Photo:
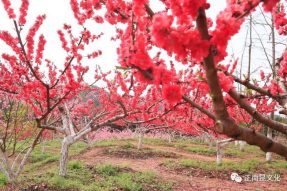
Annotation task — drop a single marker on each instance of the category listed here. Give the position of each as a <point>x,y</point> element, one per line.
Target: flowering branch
<point>224,123</point>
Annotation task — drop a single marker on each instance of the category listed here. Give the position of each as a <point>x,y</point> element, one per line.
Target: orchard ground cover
<point>116,164</point>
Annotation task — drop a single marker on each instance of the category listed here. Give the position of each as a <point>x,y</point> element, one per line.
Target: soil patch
<point>134,153</point>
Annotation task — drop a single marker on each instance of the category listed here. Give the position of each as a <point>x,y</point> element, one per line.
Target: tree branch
<point>224,123</point>
<point>259,117</point>
<point>200,108</point>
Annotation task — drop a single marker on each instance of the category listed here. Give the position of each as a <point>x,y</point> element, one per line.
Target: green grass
<point>78,177</point>
<point>276,166</point>
<point>101,177</point>
<point>128,145</point>
<point>199,141</point>
<point>131,181</point>
<point>229,151</point>
<point>245,166</point>
<point>64,183</point>
<point>75,165</point>
<point>201,151</point>
<point>106,170</point>
<point>157,141</point>
<point>54,147</point>
<point>39,156</point>
<point>112,142</point>
<point>177,143</point>
<point>3,180</point>
<point>232,150</point>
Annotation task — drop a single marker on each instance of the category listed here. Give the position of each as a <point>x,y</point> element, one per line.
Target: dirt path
<point>183,182</point>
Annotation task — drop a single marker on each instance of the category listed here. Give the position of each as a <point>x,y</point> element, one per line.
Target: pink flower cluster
<point>226,82</point>
<point>23,12</point>
<point>182,41</point>
<point>280,19</point>
<point>31,35</point>
<point>12,42</point>
<point>40,49</point>
<point>9,9</point>
<point>172,93</point>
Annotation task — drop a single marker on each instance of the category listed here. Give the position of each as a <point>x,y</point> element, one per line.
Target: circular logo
<point>235,177</point>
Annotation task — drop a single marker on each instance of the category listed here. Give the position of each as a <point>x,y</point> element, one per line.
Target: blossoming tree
<point>31,77</point>
<point>183,30</point>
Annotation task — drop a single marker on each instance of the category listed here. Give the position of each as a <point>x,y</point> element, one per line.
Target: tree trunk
<point>43,146</point>
<point>236,143</point>
<point>169,138</point>
<point>87,140</point>
<point>140,141</point>
<point>210,141</point>
<point>242,145</point>
<point>269,154</point>
<point>219,146</point>
<point>5,167</point>
<point>8,173</point>
<point>218,153</point>
<point>64,156</point>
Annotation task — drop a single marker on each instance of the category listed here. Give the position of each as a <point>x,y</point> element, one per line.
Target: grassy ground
<point>159,165</point>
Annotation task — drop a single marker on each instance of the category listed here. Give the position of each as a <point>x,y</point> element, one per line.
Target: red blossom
<point>23,12</point>
<point>234,66</point>
<point>9,9</point>
<point>139,7</point>
<point>142,60</point>
<point>122,83</point>
<point>172,93</point>
<point>10,41</point>
<point>268,5</point>
<point>262,75</point>
<point>31,34</point>
<point>167,37</point>
<point>86,36</point>
<point>280,19</point>
<point>228,23</point>
<point>75,8</point>
<point>40,49</point>
<point>275,89</point>
<point>99,19</point>
<point>87,10</point>
<point>63,41</point>
<point>226,82</point>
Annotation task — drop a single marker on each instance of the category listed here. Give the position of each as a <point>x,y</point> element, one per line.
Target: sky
<point>58,12</point>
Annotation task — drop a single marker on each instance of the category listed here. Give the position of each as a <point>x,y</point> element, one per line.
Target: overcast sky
<point>58,12</point>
